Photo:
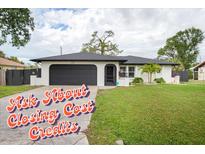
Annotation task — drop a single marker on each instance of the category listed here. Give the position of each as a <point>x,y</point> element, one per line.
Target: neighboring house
<point>95,69</point>
<point>199,71</point>
<point>9,64</point>
<point>6,64</point>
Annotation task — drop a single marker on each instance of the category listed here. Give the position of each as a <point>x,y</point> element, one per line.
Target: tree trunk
<point>150,77</point>
<point>102,50</point>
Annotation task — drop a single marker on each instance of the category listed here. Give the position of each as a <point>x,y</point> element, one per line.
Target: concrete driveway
<point>20,135</point>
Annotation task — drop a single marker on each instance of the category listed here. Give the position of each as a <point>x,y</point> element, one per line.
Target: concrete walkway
<point>20,135</point>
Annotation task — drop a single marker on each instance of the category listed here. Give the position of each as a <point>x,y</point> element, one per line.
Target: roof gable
<point>199,65</point>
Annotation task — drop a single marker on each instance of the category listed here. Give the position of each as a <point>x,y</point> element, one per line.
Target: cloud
<point>139,32</point>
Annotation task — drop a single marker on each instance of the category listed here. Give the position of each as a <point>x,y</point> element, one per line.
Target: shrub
<point>159,80</point>
<point>137,80</point>
<point>190,74</point>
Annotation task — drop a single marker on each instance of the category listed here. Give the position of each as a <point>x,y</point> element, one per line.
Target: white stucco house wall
<point>94,69</point>
<point>199,71</point>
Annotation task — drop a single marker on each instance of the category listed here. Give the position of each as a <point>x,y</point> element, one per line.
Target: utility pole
<point>61,50</point>
<point>199,58</point>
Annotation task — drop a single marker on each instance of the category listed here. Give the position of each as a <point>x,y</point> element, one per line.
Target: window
<point>131,72</point>
<point>122,72</point>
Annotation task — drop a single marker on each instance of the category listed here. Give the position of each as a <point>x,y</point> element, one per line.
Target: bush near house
<point>159,80</point>
<point>190,74</point>
<point>137,80</point>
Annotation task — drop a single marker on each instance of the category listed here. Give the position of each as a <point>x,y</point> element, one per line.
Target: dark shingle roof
<point>83,56</point>
<point>140,61</point>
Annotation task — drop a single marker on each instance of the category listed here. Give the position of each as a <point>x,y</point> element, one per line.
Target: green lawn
<point>149,114</point>
<point>9,90</point>
<point>196,82</point>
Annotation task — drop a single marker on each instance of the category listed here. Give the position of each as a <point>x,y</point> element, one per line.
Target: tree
<point>150,69</point>
<point>15,26</point>
<point>32,66</point>
<point>15,59</point>
<point>2,54</point>
<point>101,44</point>
<point>183,47</point>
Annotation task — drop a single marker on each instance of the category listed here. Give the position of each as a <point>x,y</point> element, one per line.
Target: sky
<point>138,32</point>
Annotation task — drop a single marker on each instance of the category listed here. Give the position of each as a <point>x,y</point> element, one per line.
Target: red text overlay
<point>56,95</point>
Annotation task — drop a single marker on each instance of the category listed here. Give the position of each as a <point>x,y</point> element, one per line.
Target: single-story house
<point>6,64</point>
<point>95,69</point>
<point>199,71</point>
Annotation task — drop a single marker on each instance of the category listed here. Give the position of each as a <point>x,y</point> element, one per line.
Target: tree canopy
<point>2,54</point>
<point>150,69</point>
<point>15,26</point>
<point>101,44</point>
<point>183,47</point>
<point>13,58</point>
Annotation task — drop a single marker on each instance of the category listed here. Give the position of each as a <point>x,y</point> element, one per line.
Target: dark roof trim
<point>82,56</point>
<point>173,64</point>
<point>35,60</point>
<point>134,60</point>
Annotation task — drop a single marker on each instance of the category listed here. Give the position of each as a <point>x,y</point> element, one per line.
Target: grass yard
<point>196,82</point>
<point>9,90</point>
<point>149,114</point>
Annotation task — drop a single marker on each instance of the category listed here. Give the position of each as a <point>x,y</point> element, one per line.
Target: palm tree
<point>150,69</point>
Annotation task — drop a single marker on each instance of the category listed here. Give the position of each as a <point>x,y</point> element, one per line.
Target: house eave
<point>35,60</point>
<point>147,63</point>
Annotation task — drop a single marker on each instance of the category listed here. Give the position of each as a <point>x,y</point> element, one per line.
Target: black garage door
<point>73,74</point>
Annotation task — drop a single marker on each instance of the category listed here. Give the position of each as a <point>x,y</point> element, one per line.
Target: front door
<point>110,75</point>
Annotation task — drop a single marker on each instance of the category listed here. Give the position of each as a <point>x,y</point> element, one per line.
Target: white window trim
<point>131,71</point>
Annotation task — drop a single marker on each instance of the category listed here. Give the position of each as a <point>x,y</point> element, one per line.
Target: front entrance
<point>110,75</point>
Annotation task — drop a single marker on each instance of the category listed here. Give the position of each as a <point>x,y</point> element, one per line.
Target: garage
<point>72,74</point>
